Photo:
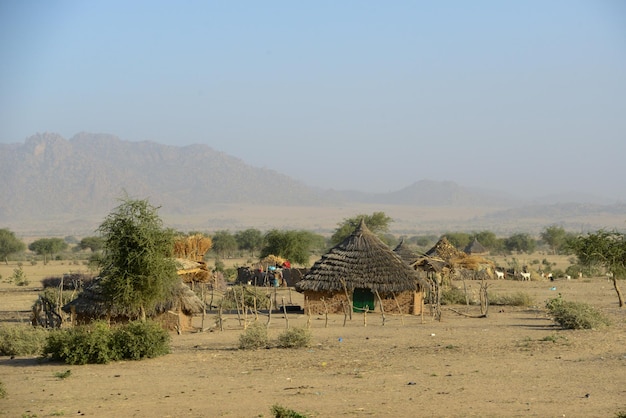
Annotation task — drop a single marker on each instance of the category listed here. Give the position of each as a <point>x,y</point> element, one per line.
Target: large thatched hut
<point>174,313</point>
<point>361,273</point>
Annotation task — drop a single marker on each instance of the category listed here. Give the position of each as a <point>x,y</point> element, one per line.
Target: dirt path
<point>515,363</point>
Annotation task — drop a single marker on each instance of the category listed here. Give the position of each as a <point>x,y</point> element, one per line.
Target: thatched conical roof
<point>475,247</point>
<point>362,260</point>
<point>406,253</point>
<point>444,250</point>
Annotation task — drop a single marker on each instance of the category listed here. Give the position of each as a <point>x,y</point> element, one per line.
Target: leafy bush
<point>254,337</point>
<point>81,345</point>
<point>282,412</point>
<point>21,340</point>
<point>515,299</point>
<point>19,277</point>
<point>137,340</point>
<point>575,315</point>
<point>294,338</point>
<point>98,343</point>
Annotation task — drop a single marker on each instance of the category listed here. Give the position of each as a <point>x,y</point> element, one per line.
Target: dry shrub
<point>294,338</point>
<point>515,299</point>
<point>575,315</point>
<point>279,411</point>
<point>254,337</point>
<point>22,340</point>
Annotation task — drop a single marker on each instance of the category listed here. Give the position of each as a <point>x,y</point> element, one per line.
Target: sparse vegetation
<point>63,375</point>
<point>453,296</point>
<point>514,299</point>
<point>279,411</point>
<point>575,315</point>
<point>3,391</point>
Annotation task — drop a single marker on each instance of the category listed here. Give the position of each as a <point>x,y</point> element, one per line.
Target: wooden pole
<point>307,306</point>
<point>399,308</point>
<point>382,308</point>
<point>325,312</point>
<point>285,312</point>
<point>269,316</point>
<point>345,289</point>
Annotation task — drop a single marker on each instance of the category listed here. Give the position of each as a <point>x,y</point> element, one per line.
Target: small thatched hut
<point>475,248</point>
<point>175,313</point>
<point>408,254</point>
<point>361,273</point>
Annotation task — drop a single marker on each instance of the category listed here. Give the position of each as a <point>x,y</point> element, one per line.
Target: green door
<point>362,298</point>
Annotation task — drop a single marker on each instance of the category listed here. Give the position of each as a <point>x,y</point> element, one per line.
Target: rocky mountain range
<point>49,180</point>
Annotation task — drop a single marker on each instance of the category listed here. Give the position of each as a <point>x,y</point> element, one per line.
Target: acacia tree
<point>521,242</point>
<point>224,243</point>
<point>48,246</point>
<point>136,266</point>
<point>605,249</point>
<point>555,236</point>
<point>9,244</point>
<point>250,240</point>
<point>295,246</point>
<point>93,243</point>
<point>377,222</point>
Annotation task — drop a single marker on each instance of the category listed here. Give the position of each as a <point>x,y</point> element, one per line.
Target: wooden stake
<point>285,312</point>
<point>382,308</point>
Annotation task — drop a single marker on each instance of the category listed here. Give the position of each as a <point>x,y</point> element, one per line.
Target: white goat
<point>525,276</point>
<point>499,274</point>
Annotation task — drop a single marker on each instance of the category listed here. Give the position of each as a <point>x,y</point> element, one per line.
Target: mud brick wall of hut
<point>319,302</point>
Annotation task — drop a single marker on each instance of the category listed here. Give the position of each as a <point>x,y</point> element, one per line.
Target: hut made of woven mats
<point>174,313</point>
<point>360,273</point>
<point>455,264</point>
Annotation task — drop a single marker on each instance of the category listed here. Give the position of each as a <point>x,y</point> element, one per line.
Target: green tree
<point>92,243</point>
<point>377,222</point>
<point>136,266</point>
<point>488,239</point>
<point>460,240</point>
<point>249,240</point>
<point>520,242</point>
<point>295,246</point>
<point>555,236</point>
<point>224,243</point>
<point>48,247</point>
<point>9,244</point>
<point>605,249</point>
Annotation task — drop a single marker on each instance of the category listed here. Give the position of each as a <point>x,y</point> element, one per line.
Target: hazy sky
<point>522,96</point>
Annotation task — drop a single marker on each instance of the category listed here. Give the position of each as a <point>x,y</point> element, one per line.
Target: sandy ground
<point>514,363</point>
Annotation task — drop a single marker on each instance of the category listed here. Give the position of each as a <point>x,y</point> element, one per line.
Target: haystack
<point>192,272</point>
<point>361,272</point>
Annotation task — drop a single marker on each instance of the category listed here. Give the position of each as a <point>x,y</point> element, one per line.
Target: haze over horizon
<point>524,97</point>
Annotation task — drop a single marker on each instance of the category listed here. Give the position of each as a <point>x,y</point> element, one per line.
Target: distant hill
<point>73,184</point>
<point>49,176</point>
